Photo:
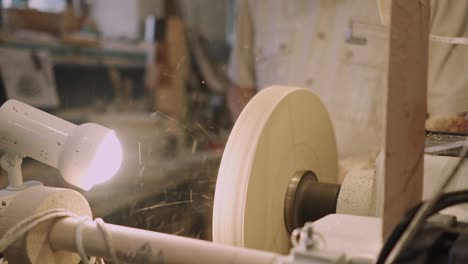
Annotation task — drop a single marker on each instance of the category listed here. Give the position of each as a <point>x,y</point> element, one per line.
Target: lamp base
<point>34,247</point>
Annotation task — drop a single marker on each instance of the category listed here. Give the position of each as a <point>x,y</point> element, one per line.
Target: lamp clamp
<point>11,162</point>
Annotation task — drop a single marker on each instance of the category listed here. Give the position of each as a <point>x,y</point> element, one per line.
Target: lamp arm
<point>11,162</point>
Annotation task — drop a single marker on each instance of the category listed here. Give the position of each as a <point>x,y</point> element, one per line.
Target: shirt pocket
<point>273,51</point>
<point>365,45</point>
<point>359,102</point>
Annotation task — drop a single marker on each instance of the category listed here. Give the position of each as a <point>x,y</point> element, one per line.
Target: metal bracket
<point>12,164</point>
<point>307,249</point>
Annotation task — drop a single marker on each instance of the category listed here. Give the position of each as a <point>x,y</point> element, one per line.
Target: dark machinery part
<point>308,200</point>
<point>443,138</point>
<point>438,241</point>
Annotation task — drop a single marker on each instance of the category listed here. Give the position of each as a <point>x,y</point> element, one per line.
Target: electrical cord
<point>79,242</point>
<point>446,200</point>
<point>24,226</point>
<point>107,237</point>
<point>422,212</point>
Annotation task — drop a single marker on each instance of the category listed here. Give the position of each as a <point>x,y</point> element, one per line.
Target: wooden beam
<point>406,109</point>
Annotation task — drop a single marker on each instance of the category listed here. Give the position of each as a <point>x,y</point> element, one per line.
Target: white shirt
<point>307,43</point>
<point>337,48</point>
<point>448,63</point>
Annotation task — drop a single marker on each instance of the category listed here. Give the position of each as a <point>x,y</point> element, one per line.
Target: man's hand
<point>237,99</point>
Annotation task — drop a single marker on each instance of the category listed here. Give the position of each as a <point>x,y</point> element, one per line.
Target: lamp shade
<point>85,155</point>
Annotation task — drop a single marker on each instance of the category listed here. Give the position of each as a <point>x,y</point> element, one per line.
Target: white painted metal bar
<point>140,246</point>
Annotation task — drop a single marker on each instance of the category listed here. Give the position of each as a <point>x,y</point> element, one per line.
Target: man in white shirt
<point>336,48</point>
<point>339,49</point>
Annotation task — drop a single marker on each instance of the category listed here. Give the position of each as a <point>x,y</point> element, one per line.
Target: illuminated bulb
<point>85,155</point>
<point>92,154</point>
<point>106,162</point>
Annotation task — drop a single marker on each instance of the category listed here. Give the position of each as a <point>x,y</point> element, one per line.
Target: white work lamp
<point>85,155</point>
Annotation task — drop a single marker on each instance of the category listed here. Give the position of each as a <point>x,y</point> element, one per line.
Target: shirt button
<point>321,35</point>
<point>309,82</point>
<point>284,47</point>
<point>259,52</point>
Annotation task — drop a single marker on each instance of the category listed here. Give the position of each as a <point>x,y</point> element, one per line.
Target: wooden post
<point>172,70</point>
<point>406,109</point>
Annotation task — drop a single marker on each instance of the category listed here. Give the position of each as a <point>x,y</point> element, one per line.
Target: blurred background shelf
<point>103,67</point>
<point>62,54</point>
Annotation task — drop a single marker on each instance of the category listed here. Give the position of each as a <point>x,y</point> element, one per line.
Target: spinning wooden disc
<point>283,131</point>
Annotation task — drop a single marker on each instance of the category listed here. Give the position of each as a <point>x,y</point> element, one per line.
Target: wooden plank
<point>167,75</point>
<point>406,109</point>
<point>170,93</point>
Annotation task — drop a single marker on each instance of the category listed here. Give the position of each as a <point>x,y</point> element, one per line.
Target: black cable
<point>396,234</point>
<point>447,200</point>
<point>424,212</point>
